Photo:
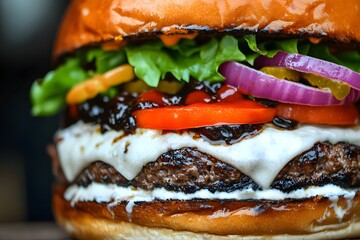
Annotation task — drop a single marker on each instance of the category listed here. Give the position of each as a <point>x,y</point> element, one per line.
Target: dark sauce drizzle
<point>228,134</point>
<point>116,113</point>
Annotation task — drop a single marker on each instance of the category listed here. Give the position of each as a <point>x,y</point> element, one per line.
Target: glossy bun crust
<point>90,22</point>
<point>306,219</point>
<point>93,21</point>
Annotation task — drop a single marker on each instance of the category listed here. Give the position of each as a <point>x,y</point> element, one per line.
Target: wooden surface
<point>27,231</point>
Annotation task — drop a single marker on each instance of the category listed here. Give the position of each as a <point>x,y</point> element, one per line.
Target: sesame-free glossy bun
<point>314,218</point>
<point>93,21</point>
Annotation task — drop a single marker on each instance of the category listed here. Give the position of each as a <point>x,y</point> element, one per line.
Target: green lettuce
<point>350,59</point>
<point>104,60</point>
<point>48,94</point>
<point>152,61</point>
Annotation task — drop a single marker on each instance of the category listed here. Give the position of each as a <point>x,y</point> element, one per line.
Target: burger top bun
<point>92,21</point>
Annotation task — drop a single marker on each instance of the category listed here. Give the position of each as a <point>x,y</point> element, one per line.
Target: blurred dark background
<point>27,32</point>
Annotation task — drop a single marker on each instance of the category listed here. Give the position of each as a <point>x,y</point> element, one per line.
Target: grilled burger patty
<point>189,170</point>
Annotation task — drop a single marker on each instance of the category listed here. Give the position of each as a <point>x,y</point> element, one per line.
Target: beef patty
<point>189,170</point>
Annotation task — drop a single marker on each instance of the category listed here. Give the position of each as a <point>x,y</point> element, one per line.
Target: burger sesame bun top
<point>91,21</point>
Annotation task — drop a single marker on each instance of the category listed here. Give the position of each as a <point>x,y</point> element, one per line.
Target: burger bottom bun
<point>316,218</point>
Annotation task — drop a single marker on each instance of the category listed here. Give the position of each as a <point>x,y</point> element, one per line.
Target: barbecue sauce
<point>116,113</point>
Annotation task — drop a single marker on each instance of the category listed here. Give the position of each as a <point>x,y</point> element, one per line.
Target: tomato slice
<point>228,93</point>
<point>204,114</point>
<point>152,96</point>
<point>196,97</point>
<point>331,115</point>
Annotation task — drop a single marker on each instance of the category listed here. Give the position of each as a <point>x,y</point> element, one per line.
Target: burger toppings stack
<point>178,128</point>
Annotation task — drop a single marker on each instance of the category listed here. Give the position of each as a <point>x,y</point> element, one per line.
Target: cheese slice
<point>260,157</point>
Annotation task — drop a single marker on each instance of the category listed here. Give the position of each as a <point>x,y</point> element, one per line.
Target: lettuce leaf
<point>350,59</point>
<point>48,94</point>
<point>105,60</point>
<point>152,62</point>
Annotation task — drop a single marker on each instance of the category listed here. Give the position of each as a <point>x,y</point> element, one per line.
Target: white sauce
<point>100,193</point>
<point>260,157</point>
<point>339,211</point>
<point>112,193</point>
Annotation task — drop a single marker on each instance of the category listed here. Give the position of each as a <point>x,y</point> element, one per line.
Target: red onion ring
<point>258,84</point>
<point>308,64</point>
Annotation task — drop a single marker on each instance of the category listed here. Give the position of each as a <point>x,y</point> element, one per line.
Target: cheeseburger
<point>206,119</point>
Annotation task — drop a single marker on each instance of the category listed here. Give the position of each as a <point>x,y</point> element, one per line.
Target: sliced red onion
<point>308,64</point>
<point>258,84</point>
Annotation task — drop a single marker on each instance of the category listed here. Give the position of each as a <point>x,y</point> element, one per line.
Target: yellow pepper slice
<point>99,84</point>
<point>139,86</point>
<point>338,90</point>
<point>282,73</point>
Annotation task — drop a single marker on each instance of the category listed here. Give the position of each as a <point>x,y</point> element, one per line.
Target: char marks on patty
<point>324,163</point>
<point>188,170</point>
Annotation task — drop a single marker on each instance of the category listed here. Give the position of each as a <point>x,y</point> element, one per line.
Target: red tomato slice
<point>73,111</point>
<point>204,114</point>
<point>152,96</point>
<point>197,96</point>
<point>331,115</point>
<point>228,93</point>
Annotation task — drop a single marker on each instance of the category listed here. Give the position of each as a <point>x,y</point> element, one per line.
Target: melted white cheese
<point>260,157</point>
